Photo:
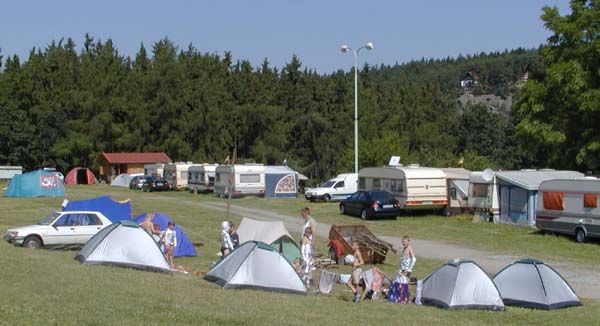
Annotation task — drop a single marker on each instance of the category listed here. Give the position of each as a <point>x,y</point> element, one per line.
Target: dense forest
<point>65,104</point>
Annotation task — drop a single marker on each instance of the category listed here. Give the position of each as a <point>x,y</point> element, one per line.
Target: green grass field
<point>50,287</point>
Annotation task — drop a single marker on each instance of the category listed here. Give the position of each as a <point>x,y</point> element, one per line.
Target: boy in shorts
<point>354,282</point>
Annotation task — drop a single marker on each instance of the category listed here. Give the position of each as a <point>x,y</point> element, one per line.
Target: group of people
<point>166,239</point>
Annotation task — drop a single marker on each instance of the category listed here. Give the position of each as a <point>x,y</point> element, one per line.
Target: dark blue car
<point>371,204</point>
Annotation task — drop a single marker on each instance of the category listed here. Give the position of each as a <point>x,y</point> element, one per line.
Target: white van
<point>177,174</point>
<point>201,178</point>
<point>415,187</point>
<point>569,206</point>
<point>338,188</point>
<point>240,179</point>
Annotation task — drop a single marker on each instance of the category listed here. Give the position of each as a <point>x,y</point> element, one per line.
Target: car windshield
<point>381,196</point>
<point>328,184</point>
<point>48,219</point>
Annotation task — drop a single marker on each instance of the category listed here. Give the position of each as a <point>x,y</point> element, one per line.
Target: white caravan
<point>240,180</point>
<point>201,178</point>
<point>415,187</point>
<point>338,188</point>
<point>483,195</point>
<point>154,170</point>
<point>177,174</point>
<point>457,187</point>
<point>569,206</point>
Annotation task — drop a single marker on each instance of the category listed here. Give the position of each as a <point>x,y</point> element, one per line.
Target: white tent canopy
<point>532,284</point>
<point>124,244</point>
<point>122,180</point>
<point>461,284</point>
<point>256,265</point>
<point>264,231</point>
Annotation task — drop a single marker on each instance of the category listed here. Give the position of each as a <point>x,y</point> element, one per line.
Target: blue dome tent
<point>184,245</point>
<point>115,211</point>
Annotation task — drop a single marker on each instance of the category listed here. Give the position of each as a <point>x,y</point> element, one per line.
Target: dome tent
<point>124,244</point>
<point>530,283</point>
<point>184,246</point>
<point>256,265</point>
<point>114,210</point>
<point>38,183</point>
<point>461,284</point>
<point>80,176</point>
<point>270,232</point>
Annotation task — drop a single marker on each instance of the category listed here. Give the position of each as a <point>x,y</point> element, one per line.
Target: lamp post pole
<point>345,48</point>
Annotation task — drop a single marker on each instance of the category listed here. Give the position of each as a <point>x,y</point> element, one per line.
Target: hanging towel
<point>326,281</point>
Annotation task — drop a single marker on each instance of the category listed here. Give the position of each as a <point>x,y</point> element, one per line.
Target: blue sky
<point>313,30</point>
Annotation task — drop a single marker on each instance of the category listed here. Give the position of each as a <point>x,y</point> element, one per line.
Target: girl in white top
<point>226,243</point>
<point>170,241</point>
<point>309,234</point>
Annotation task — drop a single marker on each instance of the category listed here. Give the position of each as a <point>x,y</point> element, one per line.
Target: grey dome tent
<point>122,180</point>
<point>461,284</point>
<point>530,283</point>
<point>124,244</point>
<point>256,265</point>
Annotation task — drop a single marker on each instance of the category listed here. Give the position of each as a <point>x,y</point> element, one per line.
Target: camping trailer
<point>457,188</point>
<point>483,195</point>
<point>201,178</point>
<point>518,193</point>
<point>241,179</point>
<point>415,187</point>
<point>177,174</point>
<point>7,172</point>
<point>569,207</point>
<point>154,170</point>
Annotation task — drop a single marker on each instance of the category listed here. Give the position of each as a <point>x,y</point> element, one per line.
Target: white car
<point>338,188</point>
<point>59,228</point>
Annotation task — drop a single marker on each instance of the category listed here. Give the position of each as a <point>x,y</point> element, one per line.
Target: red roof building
<point>113,164</point>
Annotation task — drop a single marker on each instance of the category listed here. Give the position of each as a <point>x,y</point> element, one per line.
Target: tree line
<point>63,106</point>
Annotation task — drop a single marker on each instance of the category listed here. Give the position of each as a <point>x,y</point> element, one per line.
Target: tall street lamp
<point>345,49</point>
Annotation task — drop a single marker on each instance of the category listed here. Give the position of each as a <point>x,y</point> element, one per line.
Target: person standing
<point>357,263</point>
<point>309,222</point>
<point>227,245</point>
<point>170,241</point>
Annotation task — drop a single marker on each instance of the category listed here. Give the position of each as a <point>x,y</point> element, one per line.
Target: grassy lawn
<point>50,287</point>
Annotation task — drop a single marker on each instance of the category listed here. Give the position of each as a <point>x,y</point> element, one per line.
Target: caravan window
<point>453,193</point>
<point>554,201</point>
<point>184,175</point>
<point>590,201</point>
<point>249,178</point>
<point>362,183</point>
<point>480,189</point>
<point>396,185</point>
<point>376,184</point>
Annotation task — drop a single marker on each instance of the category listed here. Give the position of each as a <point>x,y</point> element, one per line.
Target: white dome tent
<point>124,244</point>
<point>461,284</point>
<point>256,265</point>
<point>530,283</point>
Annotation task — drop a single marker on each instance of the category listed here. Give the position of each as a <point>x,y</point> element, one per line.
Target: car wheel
<point>363,214</point>
<point>32,242</point>
<point>580,235</point>
<point>326,198</point>
<point>342,209</point>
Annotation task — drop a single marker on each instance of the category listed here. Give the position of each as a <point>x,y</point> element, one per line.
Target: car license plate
<point>159,184</point>
<point>388,206</point>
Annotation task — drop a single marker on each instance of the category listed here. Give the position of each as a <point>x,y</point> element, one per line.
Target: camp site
<point>300,163</point>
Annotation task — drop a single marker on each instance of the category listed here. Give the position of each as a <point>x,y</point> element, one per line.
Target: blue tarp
<point>35,184</point>
<point>184,245</point>
<point>114,210</point>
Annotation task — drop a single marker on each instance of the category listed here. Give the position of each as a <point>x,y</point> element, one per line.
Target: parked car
<point>59,228</point>
<point>156,184</point>
<point>137,182</point>
<point>338,188</point>
<point>369,204</point>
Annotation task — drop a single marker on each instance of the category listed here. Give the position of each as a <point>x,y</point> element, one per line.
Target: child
<point>235,238</point>
<point>354,281</point>
<point>170,240</point>
<point>407,262</point>
<point>226,243</point>
<point>298,266</point>
<point>307,254</point>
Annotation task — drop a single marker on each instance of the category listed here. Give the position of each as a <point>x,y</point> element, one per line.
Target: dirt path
<point>584,279</point>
